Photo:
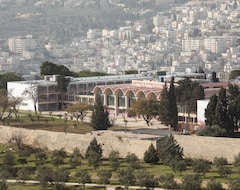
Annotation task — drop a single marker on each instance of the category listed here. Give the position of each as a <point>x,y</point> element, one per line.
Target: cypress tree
<point>173,106</point>
<point>164,106</point>
<point>100,116</point>
<point>222,110</point>
<point>210,111</point>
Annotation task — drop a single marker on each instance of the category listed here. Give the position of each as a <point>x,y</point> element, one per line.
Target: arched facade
<point>123,96</point>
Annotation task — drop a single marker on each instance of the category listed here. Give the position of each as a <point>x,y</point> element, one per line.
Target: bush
<point>168,181</point>
<point>213,185</point>
<point>133,160</point>
<point>3,185</point>
<point>114,160</point>
<point>213,131</point>
<point>191,182</point>
<point>151,156</point>
<point>201,166</point>
<point>234,184</point>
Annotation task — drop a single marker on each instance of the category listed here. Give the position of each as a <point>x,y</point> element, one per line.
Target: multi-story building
<point>18,44</point>
<point>79,89</point>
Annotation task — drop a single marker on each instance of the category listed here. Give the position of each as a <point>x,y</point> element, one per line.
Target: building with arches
<point>122,96</point>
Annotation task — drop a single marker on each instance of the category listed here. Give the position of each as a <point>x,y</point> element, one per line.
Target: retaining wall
<point>193,146</point>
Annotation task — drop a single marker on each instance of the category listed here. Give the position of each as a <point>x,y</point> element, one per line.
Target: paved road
<point>78,184</point>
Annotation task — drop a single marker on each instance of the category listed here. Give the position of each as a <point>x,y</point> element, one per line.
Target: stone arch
<point>140,94</point>
<point>120,98</point>
<point>110,97</point>
<point>131,97</point>
<point>152,96</point>
<point>99,92</point>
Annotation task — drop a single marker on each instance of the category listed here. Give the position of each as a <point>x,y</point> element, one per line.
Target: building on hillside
<point>79,89</point>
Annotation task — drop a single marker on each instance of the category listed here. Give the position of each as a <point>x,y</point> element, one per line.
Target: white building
<point>79,89</point>
<point>18,44</point>
<point>201,106</point>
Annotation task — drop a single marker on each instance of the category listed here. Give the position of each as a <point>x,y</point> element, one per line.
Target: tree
<point>151,155</point>
<point>62,84</point>
<point>100,116</point>
<point>178,166</point>
<point>9,159</point>
<point>233,91</point>
<point>168,181</point>
<point>221,112</point>
<point>104,176</point>
<point>132,160</point>
<point>147,180</point>
<point>23,174</point>
<point>94,153</point>
<point>49,68</point>
<point>220,161</point>
<point>84,177</point>
<point>75,158</point>
<point>164,110</point>
<point>61,175</point>
<point>7,105</point>
<point>169,150</point>
<point>114,160</point>
<point>18,138</point>
<point>187,94</point>
<point>210,111</point>
<point>213,131</point>
<point>3,185</point>
<point>190,182</point>
<point>201,166</point>
<point>233,74</point>
<point>213,185</point>
<point>126,177</point>
<point>40,157</point>
<point>78,110</point>
<point>44,175</point>
<point>60,186</point>
<point>234,112</point>
<point>8,77</point>
<point>234,184</point>
<point>173,106</point>
<point>236,161</point>
<point>32,93</point>
<point>58,156</point>
<point>148,109</point>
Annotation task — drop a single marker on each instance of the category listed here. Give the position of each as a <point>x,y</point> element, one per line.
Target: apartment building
<point>18,44</point>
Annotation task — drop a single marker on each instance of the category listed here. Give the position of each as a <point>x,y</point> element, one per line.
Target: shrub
<point>168,181</point>
<point>213,131</point>
<point>213,185</point>
<point>190,182</point>
<point>151,156</point>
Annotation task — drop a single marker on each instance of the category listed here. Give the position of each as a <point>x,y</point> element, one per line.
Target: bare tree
<point>32,93</point>
<point>18,138</point>
<point>8,105</point>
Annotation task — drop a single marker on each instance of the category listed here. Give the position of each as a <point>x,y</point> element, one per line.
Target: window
<point>121,99</point>
<point>110,98</point>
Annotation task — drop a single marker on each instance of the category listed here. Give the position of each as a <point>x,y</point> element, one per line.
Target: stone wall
<point>209,147</point>
<point>193,146</point>
<point>120,141</point>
